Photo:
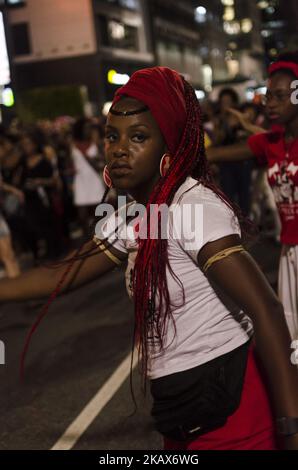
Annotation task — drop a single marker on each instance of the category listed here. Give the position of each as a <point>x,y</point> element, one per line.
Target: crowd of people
<point>51,182</point>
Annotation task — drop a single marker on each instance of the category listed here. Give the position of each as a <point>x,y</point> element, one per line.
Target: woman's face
<point>134,146</point>
<point>279,107</point>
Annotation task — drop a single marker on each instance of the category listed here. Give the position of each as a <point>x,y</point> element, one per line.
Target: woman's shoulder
<point>193,191</point>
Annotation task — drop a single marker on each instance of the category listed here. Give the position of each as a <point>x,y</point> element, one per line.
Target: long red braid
<point>152,259</point>
<point>151,263</point>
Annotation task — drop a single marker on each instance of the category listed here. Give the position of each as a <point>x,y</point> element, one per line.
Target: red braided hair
<point>151,263</point>
<point>152,259</point>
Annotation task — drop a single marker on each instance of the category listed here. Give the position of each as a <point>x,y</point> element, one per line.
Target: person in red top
<point>278,150</point>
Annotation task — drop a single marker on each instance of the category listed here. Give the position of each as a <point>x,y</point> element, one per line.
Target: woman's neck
<point>142,194</point>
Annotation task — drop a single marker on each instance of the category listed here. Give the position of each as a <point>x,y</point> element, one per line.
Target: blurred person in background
<point>234,177</point>
<point>38,182</point>
<point>7,254</point>
<point>11,170</point>
<point>63,148</point>
<point>88,186</point>
<point>277,150</point>
<point>263,211</point>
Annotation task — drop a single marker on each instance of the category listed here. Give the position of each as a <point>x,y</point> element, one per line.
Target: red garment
<point>281,158</point>
<point>251,427</point>
<point>284,65</point>
<point>162,90</point>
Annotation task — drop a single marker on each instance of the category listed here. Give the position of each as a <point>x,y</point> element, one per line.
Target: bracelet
<point>221,255</point>
<point>107,252</point>
<point>287,426</point>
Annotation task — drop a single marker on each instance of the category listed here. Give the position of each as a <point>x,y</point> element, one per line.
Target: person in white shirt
<point>88,186</point>
<point>198,296</point>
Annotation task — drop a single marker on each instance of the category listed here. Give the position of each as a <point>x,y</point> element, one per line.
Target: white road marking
<point>95,406</point>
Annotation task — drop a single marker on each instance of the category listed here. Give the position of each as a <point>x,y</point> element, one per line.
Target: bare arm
<point>239,277</point>
<point>229,153</point>
<point>40,282</point>
<point>245,123</point>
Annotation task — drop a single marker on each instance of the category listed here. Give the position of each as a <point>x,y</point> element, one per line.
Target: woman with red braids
<point>201,303</point>
<point>278,150</point>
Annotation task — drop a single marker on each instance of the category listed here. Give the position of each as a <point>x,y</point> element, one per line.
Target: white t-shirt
<point>88,185</point>
<point>207,326</point>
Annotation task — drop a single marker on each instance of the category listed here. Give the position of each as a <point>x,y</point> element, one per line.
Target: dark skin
<point>280,110</point>
<point>279,106</point>
<point>137,141</point>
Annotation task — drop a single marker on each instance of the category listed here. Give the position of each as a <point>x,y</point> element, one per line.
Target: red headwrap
<point>282,65</point>
<point>162,90</point>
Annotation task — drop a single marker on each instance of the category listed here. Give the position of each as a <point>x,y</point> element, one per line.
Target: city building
<point>93,46</point>
<point>90,44</point>
<point>279,19</point>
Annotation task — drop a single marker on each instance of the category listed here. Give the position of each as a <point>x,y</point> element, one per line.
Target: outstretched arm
<point>41,282</point>
<point>245,123</point>
<point>240,278</point>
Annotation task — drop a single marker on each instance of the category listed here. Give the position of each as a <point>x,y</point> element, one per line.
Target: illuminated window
<point>117,30</point>
<point>246,25</point>
<point>207,77</point>
<point>229,14</point>
<point>227,3</point>
<point>232,27</point>
<point>233,67</point>
<point>265,33</point>
<point>117,34</point>
<point>263,4</point>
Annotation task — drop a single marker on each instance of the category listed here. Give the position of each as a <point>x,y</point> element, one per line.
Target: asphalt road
<point>75,350</point>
